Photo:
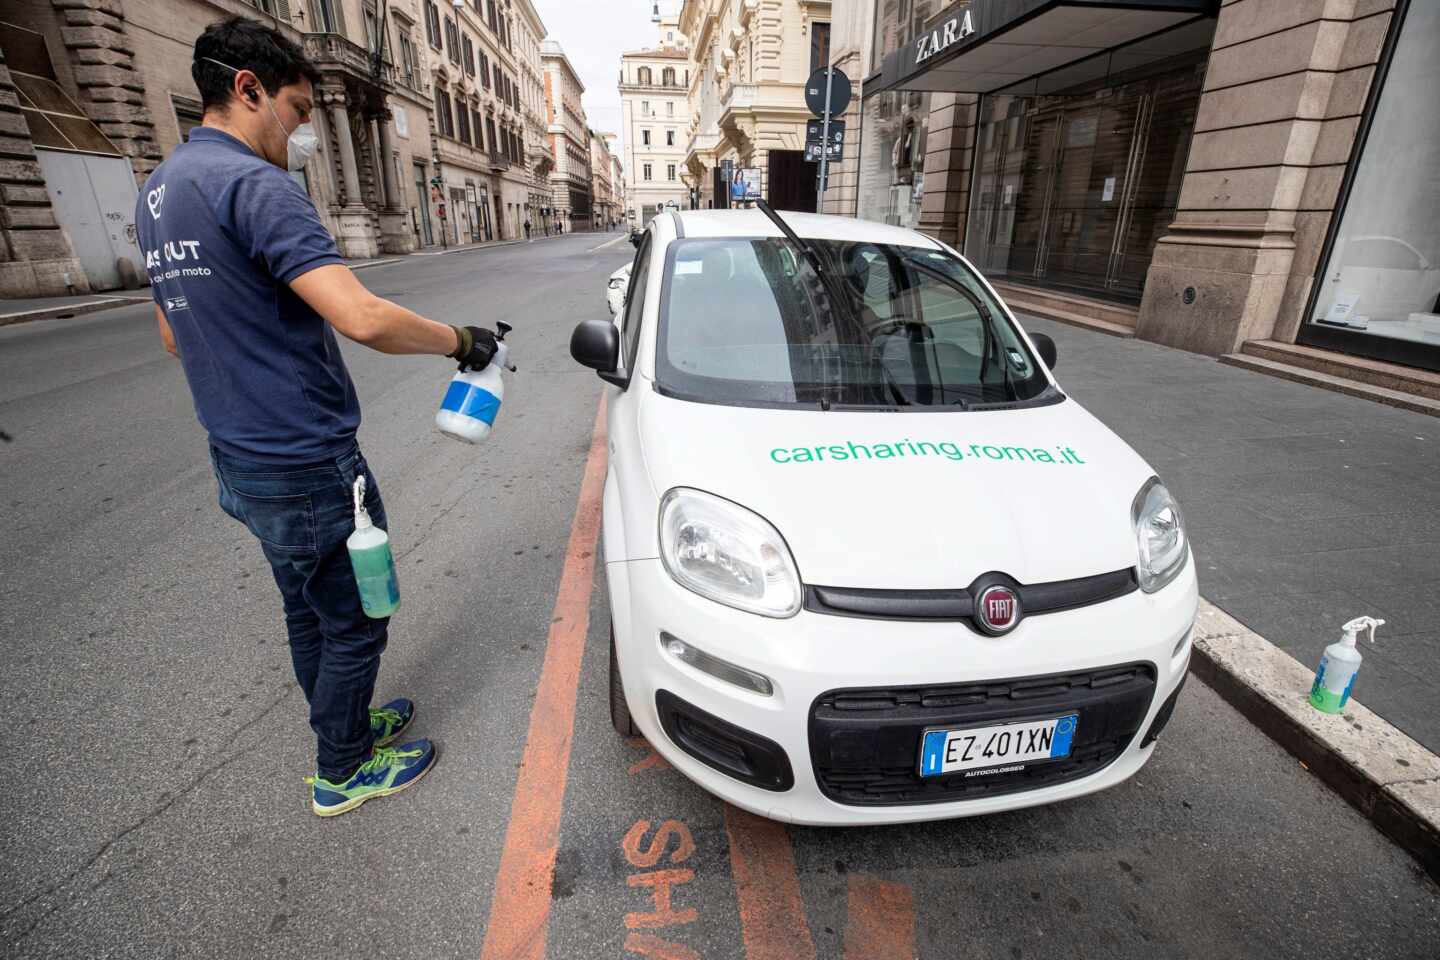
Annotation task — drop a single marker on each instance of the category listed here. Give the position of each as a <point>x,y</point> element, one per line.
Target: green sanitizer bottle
<point>374,566</point>
<point>1336,676</point>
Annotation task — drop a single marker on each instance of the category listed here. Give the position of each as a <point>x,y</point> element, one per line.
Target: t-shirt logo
<point>154,198</point>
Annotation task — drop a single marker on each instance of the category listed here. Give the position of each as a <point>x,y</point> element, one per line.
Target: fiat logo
<point>998,610</point>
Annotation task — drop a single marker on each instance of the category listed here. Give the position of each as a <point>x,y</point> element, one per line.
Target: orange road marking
<point>652,759</point>
<point>649,945</point>
<point>664,915</point>
<point>881,924</point>
<point>520,910</point>
<point>772,917</point>
<point>651,854</point>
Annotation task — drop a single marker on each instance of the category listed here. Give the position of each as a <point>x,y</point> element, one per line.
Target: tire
<point>619,709</point>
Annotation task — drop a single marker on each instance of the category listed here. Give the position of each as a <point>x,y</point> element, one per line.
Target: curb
<point>1389,777</point>
<point>73,310</point>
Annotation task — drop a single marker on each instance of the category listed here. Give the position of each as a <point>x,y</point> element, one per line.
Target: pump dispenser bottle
<point>472,402</point>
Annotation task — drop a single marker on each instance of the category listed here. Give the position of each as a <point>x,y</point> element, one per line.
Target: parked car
<point>615,289</point>
<point>867,562</point>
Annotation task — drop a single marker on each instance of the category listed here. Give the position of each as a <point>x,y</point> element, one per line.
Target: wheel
<point>619,709</point>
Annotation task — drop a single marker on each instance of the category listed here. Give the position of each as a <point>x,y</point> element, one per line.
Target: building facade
<point>749,63</point>
<point>116,75</point>
<point>617,184</point>
<point>1253,179</point>
<point>478,120</point>
<point>655,112</point>
<point>570,180</point>
<point>539,162</point>
<point>852,31</point>
<point>602,170</point>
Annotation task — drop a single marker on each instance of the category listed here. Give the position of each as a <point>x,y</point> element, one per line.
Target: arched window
<point>667,77</point>
<point>644,76</point>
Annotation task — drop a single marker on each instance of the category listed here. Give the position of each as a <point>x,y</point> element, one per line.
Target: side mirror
<point>596,344</point>
<point>1045,347</point>
<point>635,237</point>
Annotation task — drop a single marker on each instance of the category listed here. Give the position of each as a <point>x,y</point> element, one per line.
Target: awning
<point>991,45</point>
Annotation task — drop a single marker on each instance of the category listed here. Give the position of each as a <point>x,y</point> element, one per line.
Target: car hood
<point>911,500</point>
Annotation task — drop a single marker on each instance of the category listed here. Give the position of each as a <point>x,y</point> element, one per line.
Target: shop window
<point>892,173</point>
<point>1377,290</point>
<point>1072,191</point>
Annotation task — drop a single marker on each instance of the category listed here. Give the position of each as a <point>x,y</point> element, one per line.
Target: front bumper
<point>844,761</point>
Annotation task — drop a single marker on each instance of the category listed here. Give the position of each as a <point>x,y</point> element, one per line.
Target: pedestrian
<point>251,314</point>
<point>527,229</point>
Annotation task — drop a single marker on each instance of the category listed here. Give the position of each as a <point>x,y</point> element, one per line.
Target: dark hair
<point>246,44</point>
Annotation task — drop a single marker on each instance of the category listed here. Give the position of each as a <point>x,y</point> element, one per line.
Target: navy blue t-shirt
<point>223,232</point>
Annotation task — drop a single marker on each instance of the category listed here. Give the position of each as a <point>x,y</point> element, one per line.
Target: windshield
<point>749,321</point>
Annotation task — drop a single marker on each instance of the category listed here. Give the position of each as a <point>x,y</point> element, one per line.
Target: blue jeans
<point>302,514</point>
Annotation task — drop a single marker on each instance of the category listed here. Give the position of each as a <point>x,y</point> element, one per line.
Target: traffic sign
<point>839,91</point>
<point>812,152</point>
<point>814,130</point>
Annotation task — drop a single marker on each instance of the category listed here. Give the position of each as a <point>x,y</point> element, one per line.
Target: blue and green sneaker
<point>389,770</point>
<point>389,721</point>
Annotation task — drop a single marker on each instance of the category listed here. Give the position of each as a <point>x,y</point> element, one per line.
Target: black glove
<point>477,347</point>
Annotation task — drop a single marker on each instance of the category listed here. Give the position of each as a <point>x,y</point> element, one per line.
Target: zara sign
<point>944,36</point>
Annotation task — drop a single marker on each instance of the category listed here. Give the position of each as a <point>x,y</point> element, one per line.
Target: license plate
<point>999,745</point>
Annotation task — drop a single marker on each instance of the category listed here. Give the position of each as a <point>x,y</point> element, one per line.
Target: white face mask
<point>300,143</point>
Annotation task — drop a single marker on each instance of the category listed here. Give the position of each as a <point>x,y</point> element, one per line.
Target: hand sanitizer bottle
<point>370,557</point>
<point>1338,667</point>
<point>473,400</point>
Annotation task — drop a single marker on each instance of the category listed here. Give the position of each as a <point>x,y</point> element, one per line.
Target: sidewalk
<point>48,308</point>
<point>1305,508</point>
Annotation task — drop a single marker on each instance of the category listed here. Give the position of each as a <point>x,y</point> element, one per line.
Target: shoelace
<point>382,757</point>
<point>387,714</point>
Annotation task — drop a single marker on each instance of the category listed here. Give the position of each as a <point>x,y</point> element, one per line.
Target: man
<point>248,285</point>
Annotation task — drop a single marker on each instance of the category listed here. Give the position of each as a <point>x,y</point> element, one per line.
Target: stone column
<point>396,235</point>
<point>1283,92</point>
<point>340,121</point>
<point>393,198</point>
<point>357,235</point>
<point>378,164</point>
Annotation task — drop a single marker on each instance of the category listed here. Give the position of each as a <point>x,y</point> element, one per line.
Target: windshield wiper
<point>834,293</point>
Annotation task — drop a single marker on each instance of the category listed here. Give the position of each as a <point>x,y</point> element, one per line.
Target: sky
<point>594,33</point>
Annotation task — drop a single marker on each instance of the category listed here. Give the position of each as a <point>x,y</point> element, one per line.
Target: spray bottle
<point>370,557</point>
<point>1331,690</point>
<point>468,411</point>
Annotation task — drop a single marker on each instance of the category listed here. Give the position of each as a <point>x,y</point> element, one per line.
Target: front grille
<point>865,743</point>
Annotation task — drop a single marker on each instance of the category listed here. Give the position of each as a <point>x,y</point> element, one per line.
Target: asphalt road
<point>154,805</point>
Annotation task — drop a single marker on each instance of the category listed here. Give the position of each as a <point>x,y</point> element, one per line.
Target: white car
<point>615,289</point>
<point>866,561</point>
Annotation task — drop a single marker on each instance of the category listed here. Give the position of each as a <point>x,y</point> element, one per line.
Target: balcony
<point>702,143</point>
<point>332,52</point>
<point>740,96</point>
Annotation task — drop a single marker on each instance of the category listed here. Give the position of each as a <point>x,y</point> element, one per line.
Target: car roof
<point>814,226</point>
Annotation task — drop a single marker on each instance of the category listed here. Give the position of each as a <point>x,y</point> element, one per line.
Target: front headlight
<point>722,551</point>
<point>1159,534</point>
